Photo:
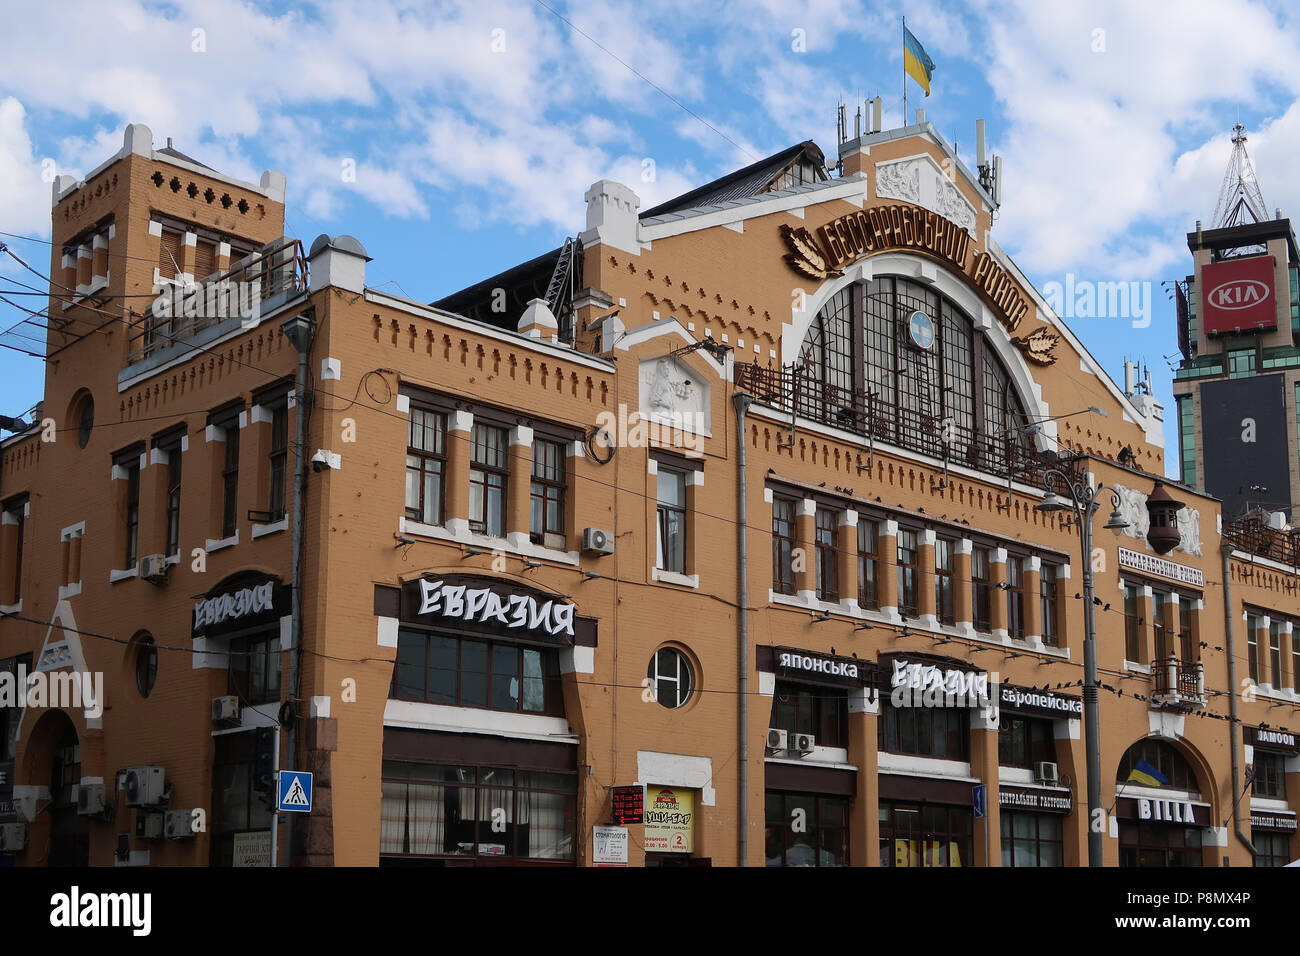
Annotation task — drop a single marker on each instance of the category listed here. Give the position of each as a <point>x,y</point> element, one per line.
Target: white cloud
<point>25,200</point>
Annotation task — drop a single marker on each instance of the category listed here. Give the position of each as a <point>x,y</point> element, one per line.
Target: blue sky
<point>474,128</point>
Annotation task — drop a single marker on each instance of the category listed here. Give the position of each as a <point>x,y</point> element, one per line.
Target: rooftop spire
<point>1239,196</point>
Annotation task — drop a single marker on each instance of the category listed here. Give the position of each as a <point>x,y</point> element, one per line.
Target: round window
<point>85,421</point>
<point>146,666</point>
<point>670,677</point>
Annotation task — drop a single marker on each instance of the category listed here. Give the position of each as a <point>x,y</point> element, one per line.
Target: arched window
<point>929,383</point>
<point>1146,755</point>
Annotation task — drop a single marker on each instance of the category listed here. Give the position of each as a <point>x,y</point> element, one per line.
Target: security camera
<point>319,461</point>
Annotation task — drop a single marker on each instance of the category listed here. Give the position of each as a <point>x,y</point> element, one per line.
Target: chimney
<point>339,261</point>
<point>538,322</point>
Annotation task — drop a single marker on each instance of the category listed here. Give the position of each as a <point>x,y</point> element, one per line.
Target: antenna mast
<point>1239,196</point>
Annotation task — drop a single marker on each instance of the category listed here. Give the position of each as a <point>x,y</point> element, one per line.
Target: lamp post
<point>1083,499</point>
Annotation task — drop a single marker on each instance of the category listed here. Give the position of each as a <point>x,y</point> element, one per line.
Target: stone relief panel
<point>920,180</point>
<point>673,394</point>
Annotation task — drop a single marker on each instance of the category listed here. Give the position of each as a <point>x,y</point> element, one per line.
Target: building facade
<point>728,503</point>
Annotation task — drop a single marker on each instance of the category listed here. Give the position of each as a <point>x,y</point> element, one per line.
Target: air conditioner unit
<point>776,741</point>
<point>801,744</point>
<point>90,799</point>
<point>180,825</point>
<point>144,786</point>
<point>13,837</point>
<point>153,567</point>
<point>225,710</point>
<point>596,541</point>
<point>149,826</point>
<point>1046,772</point>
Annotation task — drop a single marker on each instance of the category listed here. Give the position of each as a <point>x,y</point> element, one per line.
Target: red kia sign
<point>1238,295</point>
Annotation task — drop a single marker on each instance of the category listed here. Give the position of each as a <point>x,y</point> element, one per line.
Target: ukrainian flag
<point>916,61</point>
<point>1144,773</point>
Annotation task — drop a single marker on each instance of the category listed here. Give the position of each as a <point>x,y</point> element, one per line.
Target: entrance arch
<point>59,836</point>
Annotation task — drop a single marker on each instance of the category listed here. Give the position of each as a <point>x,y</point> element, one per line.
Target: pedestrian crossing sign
<point>295,792</point>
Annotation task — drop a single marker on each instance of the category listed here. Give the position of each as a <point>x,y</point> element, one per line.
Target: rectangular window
<point>1275,653</point>
<point>1031,839</point>
<point>1241,363</point>
<point>943,568</point>
<point>497,813</point>
<point>925,834</point>
<point>1132,631</point>
<point>229,426</point>
<point>173,499</point>
<point>1186,607</point>
<point>489,470</point>
<point>819,838</point>
<point>278,459</point>
<point>426,461</point>
<point>129,462</point>
<point>1270,775</point>
<point>941,732</point>
<point>445,669</point>
<point>825,523</point>
<point>783,537</point>
<point>1295,658</point>
<point>169,254</point>
<point>1164,642</point>
<point>1187,438</point>
<point>1252,646</point>
<point>255,668</point>
<point>1271,849</point>
<point>547,494</point>
<point>671,541</point>
<point>907,576</point>
<point>14,515</point>
<point>1016,596</point>
<point>1025,741</point>
<point>812,709</point>
<point>1049,604</point>
<point>981,597</point>
<point>868,567</point>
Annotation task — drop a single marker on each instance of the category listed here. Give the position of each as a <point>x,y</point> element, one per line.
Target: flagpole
<point>904,71</point>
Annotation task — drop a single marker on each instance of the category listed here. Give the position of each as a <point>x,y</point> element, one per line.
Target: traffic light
<point>264,759</point>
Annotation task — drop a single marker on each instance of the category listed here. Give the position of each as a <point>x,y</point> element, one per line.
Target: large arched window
<point>930,384</point>
<point>1171,768</point>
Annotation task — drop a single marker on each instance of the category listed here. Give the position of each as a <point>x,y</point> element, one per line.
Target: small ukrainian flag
<point>1144,773</point>
<point>916,61</point>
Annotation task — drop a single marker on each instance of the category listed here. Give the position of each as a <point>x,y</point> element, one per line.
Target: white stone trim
<point>386,632</point>
<point>674,577</point>
<point>405,713</point>
<point>457,530</point>
<point>259,530</point>
<point>115,576</point>
<point>404,404</point>
<point>677,770</point>
<point>331,369</point>
<point>215,544</point>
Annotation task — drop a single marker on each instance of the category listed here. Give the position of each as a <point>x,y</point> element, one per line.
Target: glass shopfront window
<point>942,732</point>
<point>805,829</point>
<point>439,814</point>
<point>1271,849</point>
<point>1031,839</point>
<point>923,834</point>
<point>1158,844</point>
<point>812,709</point>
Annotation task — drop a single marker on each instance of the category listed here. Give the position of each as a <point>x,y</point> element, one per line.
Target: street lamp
<point>1162,535</point>
<point>1083,501</point>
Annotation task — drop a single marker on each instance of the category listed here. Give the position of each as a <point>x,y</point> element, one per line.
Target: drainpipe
<point>742,401</point>
<point>1228,615</point>
<point>301,333</point>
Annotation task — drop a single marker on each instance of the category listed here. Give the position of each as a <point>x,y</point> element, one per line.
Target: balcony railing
<point>1178,682</point>
<point>798,390</point>
<point>1252,533</point>
<point>249,287</point>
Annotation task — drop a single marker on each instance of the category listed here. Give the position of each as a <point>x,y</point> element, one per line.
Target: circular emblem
<point>921,329</point>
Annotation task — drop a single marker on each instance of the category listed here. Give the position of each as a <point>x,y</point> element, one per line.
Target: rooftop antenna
<point>1239,196</point>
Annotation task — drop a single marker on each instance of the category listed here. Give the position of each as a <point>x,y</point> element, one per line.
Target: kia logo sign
<point>1239,294</point>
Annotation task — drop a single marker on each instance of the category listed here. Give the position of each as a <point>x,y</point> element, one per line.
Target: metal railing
<point>1252,534</point>
<point>277,270</point>
<point>1180,681</point>
<point>799,390</point>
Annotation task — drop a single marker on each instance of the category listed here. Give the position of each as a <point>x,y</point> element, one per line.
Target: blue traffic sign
<point>295,792</point>
<point>977,799</point>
